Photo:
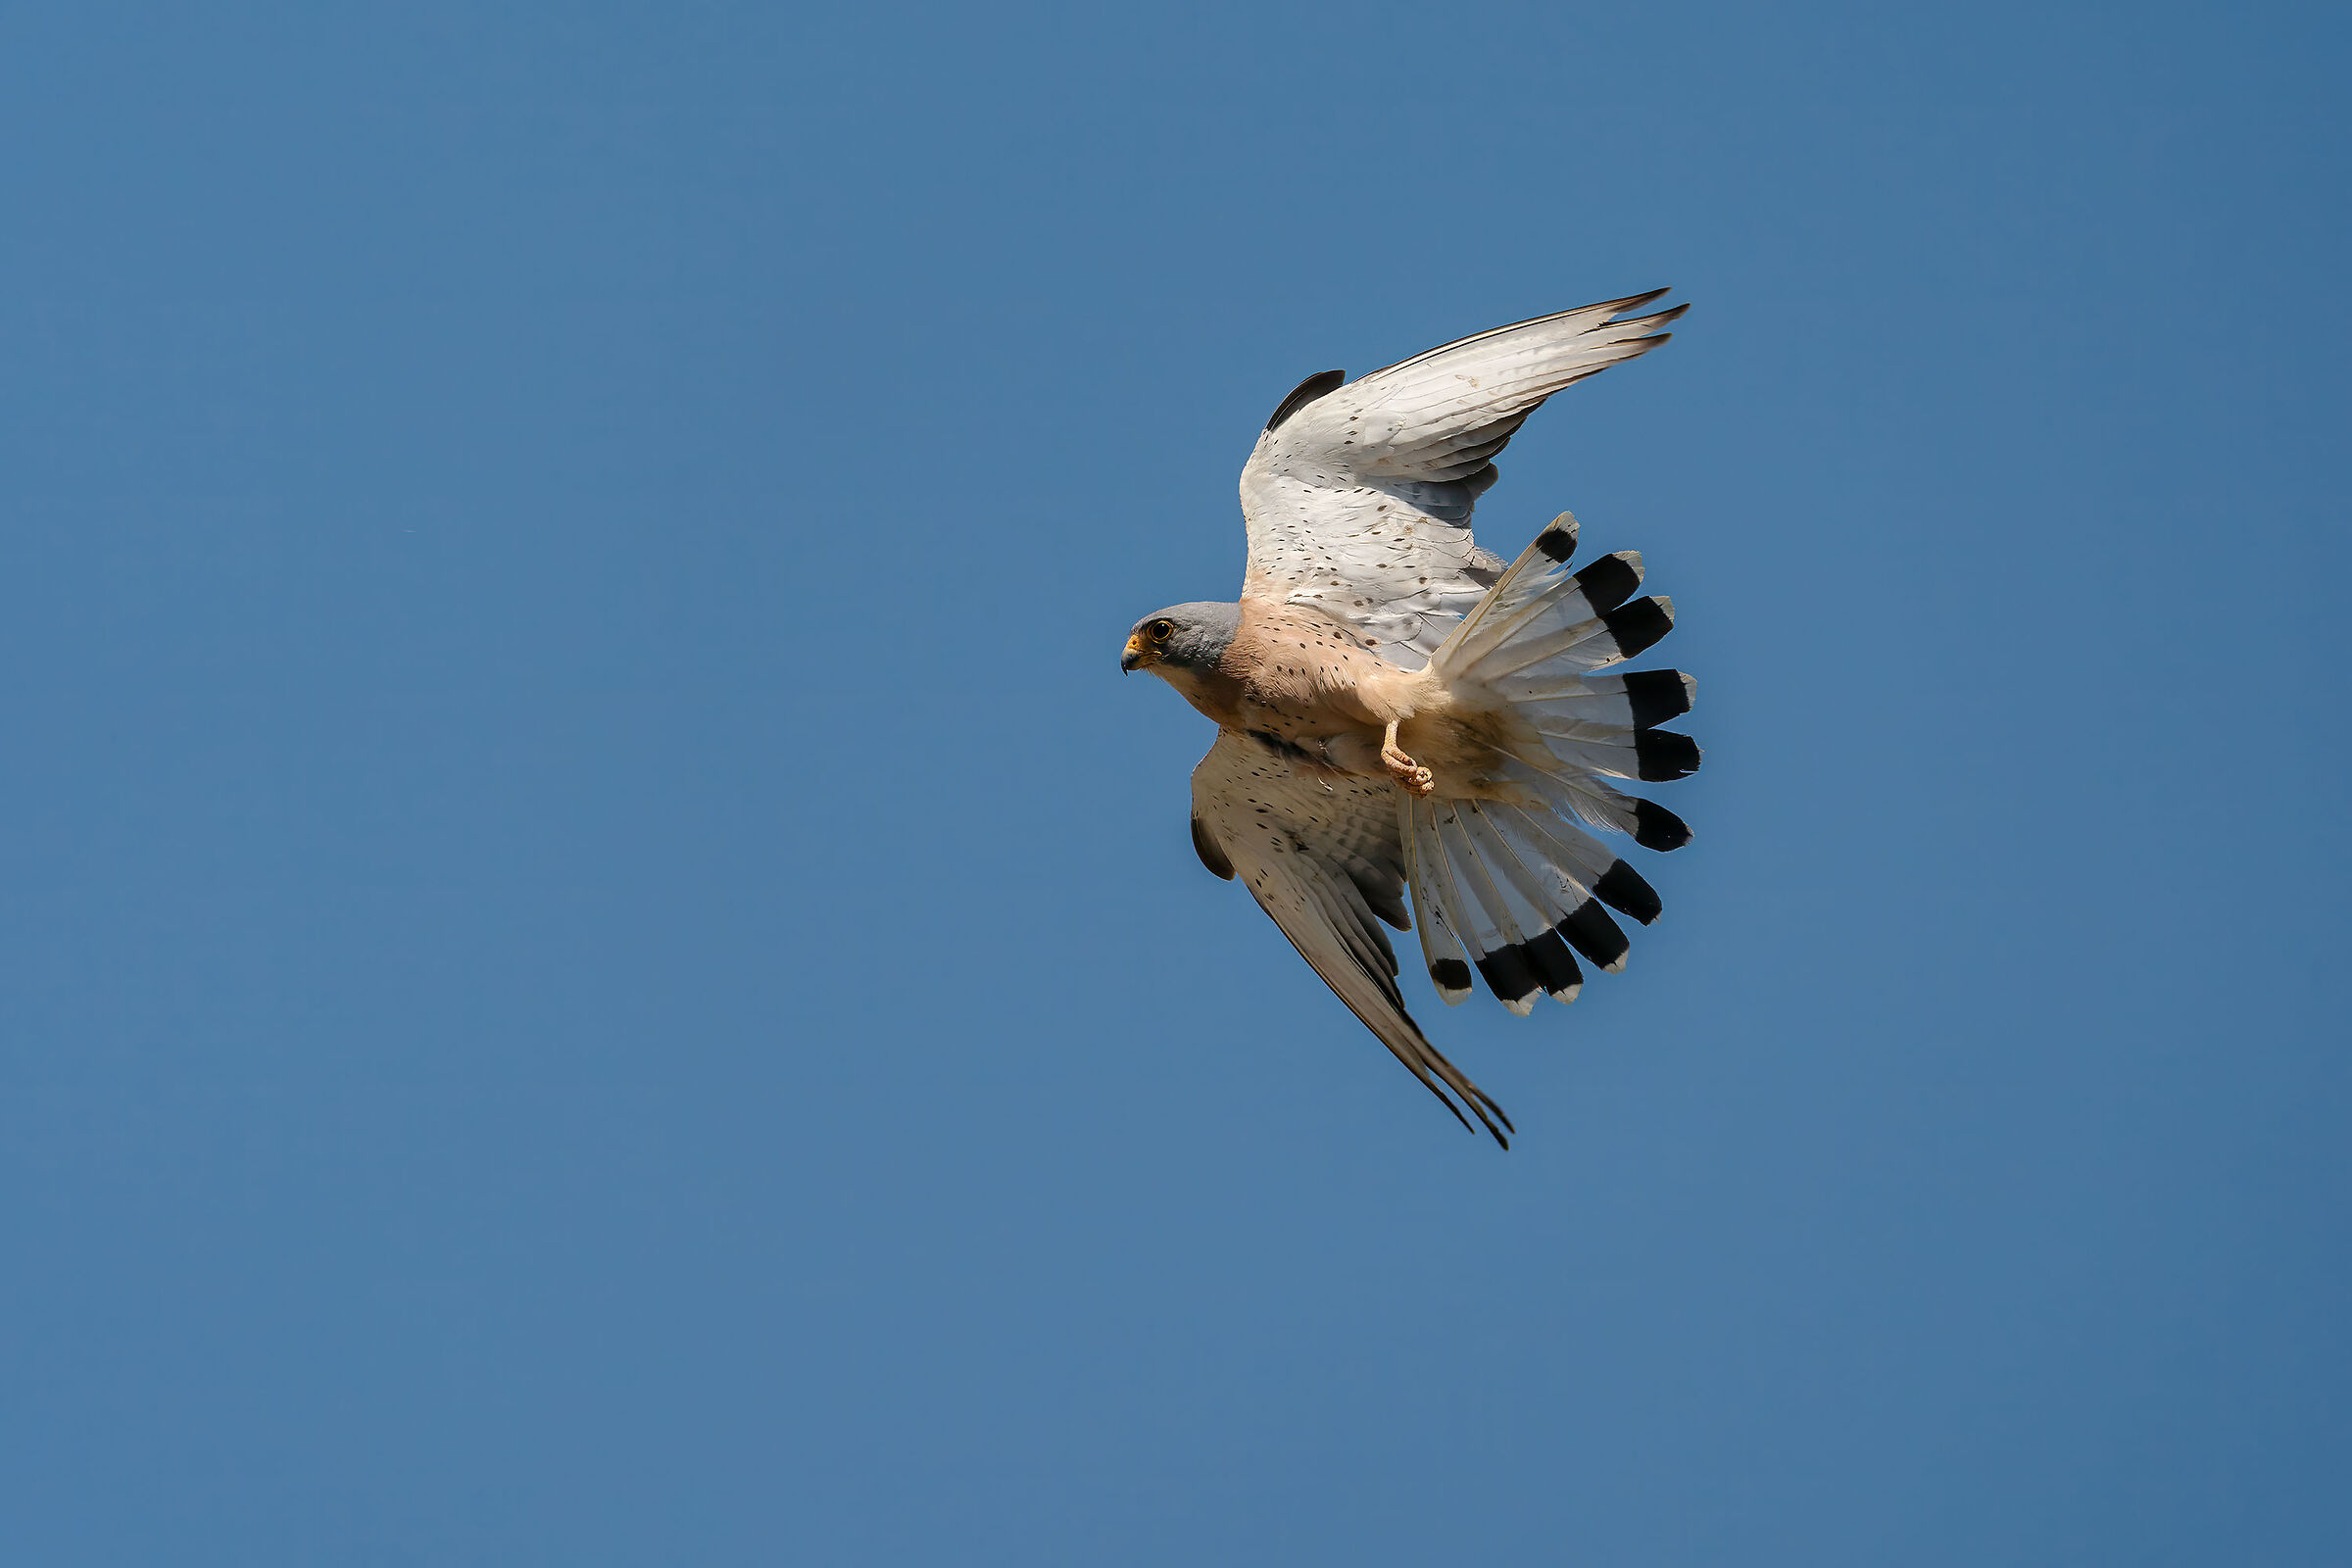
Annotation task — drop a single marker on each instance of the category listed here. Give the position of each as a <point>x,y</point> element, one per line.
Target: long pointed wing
<point>1324,856</point>
<point>1358,496</point>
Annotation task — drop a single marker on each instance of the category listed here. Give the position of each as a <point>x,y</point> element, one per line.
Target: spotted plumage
<point>1404,725</point>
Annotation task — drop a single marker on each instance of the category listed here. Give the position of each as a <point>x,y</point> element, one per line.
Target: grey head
<point>1183,637</point>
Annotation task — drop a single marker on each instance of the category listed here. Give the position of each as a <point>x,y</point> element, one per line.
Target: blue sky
<point>597,965</point>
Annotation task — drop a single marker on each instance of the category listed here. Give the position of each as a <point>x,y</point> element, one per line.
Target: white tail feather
<point>1509,888</point>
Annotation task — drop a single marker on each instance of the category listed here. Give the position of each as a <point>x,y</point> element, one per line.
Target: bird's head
<point>1182,639</point>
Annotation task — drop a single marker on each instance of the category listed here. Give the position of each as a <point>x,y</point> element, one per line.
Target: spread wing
<point>1324,854</point>
<point>1358,496</point>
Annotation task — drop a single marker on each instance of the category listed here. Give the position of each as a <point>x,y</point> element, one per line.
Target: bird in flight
<point>1399,713</point>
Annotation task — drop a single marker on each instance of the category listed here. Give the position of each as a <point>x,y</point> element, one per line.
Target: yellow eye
<point>1160,631</point>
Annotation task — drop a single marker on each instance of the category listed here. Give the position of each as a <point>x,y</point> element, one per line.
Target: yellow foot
<point>1409,775</point>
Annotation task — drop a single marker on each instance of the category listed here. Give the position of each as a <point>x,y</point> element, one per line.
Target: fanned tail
<point>1517,892</point>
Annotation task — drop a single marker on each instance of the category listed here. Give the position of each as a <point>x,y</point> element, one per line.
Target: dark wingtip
<point>1319,384</point>
<point>1476,1099</point>
<point>1498,1116</point>
<point>1212,853</point>
<point>1451,974</point>
<point>1632,301</point>
<point>1480,1107</point>
<point>1445,1100</point>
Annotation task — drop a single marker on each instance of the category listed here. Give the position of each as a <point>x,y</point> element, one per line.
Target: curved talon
<point>1408,774</point>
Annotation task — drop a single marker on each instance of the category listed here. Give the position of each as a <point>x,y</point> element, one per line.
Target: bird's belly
<point>1454,750</point>
<point>1455,747</point>
<point>1336,713</point>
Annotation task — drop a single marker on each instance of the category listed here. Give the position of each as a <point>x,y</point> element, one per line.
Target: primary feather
<point>1358,497</point>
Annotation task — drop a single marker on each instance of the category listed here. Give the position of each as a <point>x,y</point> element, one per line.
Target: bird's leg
<point>1408,774</point>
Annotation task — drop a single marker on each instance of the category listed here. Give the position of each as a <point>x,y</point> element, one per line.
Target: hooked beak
<point>1134,659</point>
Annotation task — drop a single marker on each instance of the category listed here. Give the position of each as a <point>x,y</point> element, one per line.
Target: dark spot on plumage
<point>1281,747</point>
<point>1607,581</point>
<point>1656,696</point>
<point>1451,974</point>
<point>1660,754</point>
<point>1623,889</point>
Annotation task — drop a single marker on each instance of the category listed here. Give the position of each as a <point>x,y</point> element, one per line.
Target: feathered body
<point>1300,681</point>
<point>1397,713</point>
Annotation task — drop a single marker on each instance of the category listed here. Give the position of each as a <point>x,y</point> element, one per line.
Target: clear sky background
<point>598,967</point>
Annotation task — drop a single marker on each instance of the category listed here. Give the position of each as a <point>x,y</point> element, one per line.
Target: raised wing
<point>1324,854</point>
<point>1357,497</point>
